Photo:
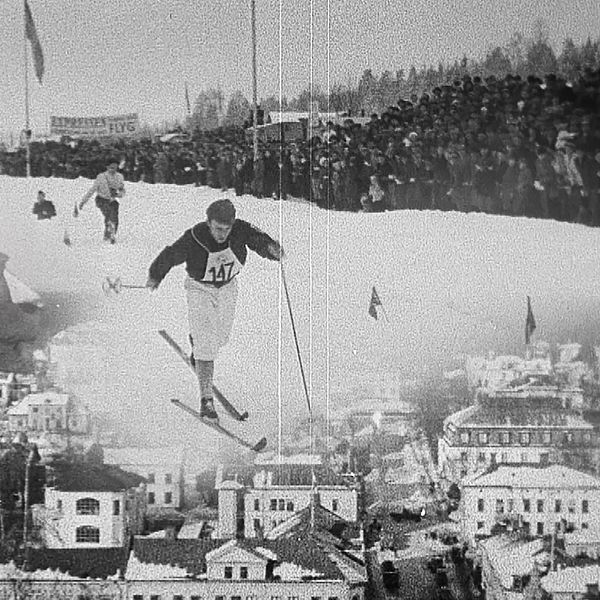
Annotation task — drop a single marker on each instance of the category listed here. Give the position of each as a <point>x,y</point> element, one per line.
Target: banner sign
<point>118,125</point>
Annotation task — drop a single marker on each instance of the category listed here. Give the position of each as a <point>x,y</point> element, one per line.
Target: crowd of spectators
<point>513,146</point>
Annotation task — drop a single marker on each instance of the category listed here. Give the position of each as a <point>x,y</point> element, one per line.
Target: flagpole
<point>27,148</point>
<point>254,85</point>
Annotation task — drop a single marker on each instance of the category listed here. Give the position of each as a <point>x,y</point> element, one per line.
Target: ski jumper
<point>210,285</point>
<point>108,188</point>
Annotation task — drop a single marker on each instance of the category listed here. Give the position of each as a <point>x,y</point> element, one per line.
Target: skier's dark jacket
<point>193,246</point>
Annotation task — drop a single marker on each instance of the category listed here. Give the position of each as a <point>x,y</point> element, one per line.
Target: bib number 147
<point>223,274</point>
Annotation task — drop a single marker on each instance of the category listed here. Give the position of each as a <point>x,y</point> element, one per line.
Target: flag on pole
<point>375,302</point>
<point>187,99</point>
<point>529,322</point>
<point>36,47</point>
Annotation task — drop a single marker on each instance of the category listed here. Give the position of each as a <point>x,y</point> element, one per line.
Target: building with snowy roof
<point>507,564</point>
<point>49,412</point>
<point>530,423</point>
<point>541,499</point>
<point>572,583</point>
<point>162,468</point>
<point>265,569</point>
<point>89,505</point>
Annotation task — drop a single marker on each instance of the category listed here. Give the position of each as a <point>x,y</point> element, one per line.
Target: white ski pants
<point>210,312</point>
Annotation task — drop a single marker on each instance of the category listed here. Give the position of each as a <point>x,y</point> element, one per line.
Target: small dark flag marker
<point>529,322</point>
<point>375,302</point>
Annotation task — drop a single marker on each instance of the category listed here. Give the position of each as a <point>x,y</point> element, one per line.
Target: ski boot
<point>207,409</point>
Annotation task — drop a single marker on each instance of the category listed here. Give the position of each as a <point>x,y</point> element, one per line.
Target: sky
<point>447,290</point>
<point>113,57</point>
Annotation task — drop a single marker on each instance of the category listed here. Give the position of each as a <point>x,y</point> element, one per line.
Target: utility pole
<point>254,85</point>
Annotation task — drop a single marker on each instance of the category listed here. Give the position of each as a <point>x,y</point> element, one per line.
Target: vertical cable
<point>327,253</point>
<point>279,300</point>
<point>310,229</point>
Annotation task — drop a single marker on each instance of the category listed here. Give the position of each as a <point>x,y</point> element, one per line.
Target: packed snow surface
<point>449,283</point>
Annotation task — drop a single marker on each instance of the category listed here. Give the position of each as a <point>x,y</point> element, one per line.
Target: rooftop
<point>80,476</point>
<point>571,580</point>
<point>519,476</point>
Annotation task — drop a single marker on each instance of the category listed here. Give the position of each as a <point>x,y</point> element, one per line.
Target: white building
<point>90,506</point>
<point>507,564</point>
<point>261,570</point>
<point>541,499</point>
<point>49,412</point>
<point>163,469</point>
<point>572,583</point>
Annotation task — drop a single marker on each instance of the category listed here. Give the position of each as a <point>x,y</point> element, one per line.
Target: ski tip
<point>175,400</point>
<point>260,446</point>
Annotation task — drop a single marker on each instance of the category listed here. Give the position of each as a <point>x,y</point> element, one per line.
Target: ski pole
<point>116,285</point>
<point>287,296</point>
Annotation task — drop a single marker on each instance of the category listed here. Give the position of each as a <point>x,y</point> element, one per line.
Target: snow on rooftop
<point>140,571</point>
<point>268,554</point>
<point>571,580</point>
<point>292,572</point>
<point>296,459</point>
<point>549,477</point>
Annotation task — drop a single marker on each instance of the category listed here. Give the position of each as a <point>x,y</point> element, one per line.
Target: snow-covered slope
<point>449,283</point>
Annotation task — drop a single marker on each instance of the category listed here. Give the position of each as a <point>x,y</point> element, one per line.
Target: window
<point>557,505</point>
<point>290,506</point>
<point>505,437</point>
<point>116,507</point>
<point>571,507</point>
<point>236,598</point>
<point>465,437</point>
<point>499,505</point>
<point>256,504</point>
<point>281,504</point>
<point>587,437</point>
<point>483,438</point>
<point>544,458</point>
<point>168,497</point>
<point>464,457</point>
<point>168,478</point>
<point>510,505</point>
<point>480,505</point>
<point>585,506</point>
<point>526,505</point>
<point>138,597</point>
<point>86,534</point>
<point>151,498</point>
<point>243,572</point>
<point>540,506</point>
<point>195,597</point>
<point>257,524</point>
<point>525,438</point>
<point>481,457</point>
<point>480,524</point>
<point>273,504</point>
<point>315,598</point>
<point>584,525</point>
<point>154,596</point>
<point>547,438</point>
<point>151,478</point>
<point>219,597</point>
<point>177,597</point>
<point>335,505</point>
<point>59,505</point>
<point>87,506</point>
<point>568,438</point>
<point>228,572</point>
<point>540,528</point>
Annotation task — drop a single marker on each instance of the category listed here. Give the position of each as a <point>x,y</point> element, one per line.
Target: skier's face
<point>220,231</point>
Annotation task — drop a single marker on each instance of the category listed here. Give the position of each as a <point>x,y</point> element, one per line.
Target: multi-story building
<point>539,499</point>
<point>90,505</point>
<point>49,412</point>
<point>530,423</point>
<point>162,468</point>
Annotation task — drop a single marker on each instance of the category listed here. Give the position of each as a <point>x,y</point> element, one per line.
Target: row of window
<point>524,457</point>
<point>151,478</point>
<point>167,498</point>
<point>90,506</point>
<point>220,597</point>
<point>229,572</point>
<point>526,504</point>
<point>524,438</point>
<point>558,526</point>
<point>288,505</point>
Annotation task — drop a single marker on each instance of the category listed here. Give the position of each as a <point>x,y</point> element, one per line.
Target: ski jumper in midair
<point>214,252</point>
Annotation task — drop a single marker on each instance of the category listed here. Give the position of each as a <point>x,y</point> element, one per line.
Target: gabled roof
<point>67,476</point>
<point>519,476</point>
<point>296,557</point>
<point>95,563</point>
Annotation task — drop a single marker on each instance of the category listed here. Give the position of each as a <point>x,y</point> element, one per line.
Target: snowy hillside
<point>450,283</point>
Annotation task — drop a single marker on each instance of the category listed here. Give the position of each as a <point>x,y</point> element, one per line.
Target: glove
<point>275,251</point>
<point>76,210</point>
<point>151,284</point>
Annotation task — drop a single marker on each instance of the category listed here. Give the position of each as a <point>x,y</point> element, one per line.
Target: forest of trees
<point>521,55</point>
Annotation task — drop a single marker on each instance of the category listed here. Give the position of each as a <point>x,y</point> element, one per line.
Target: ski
<point>258,447</point>
<point>232,410</point>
